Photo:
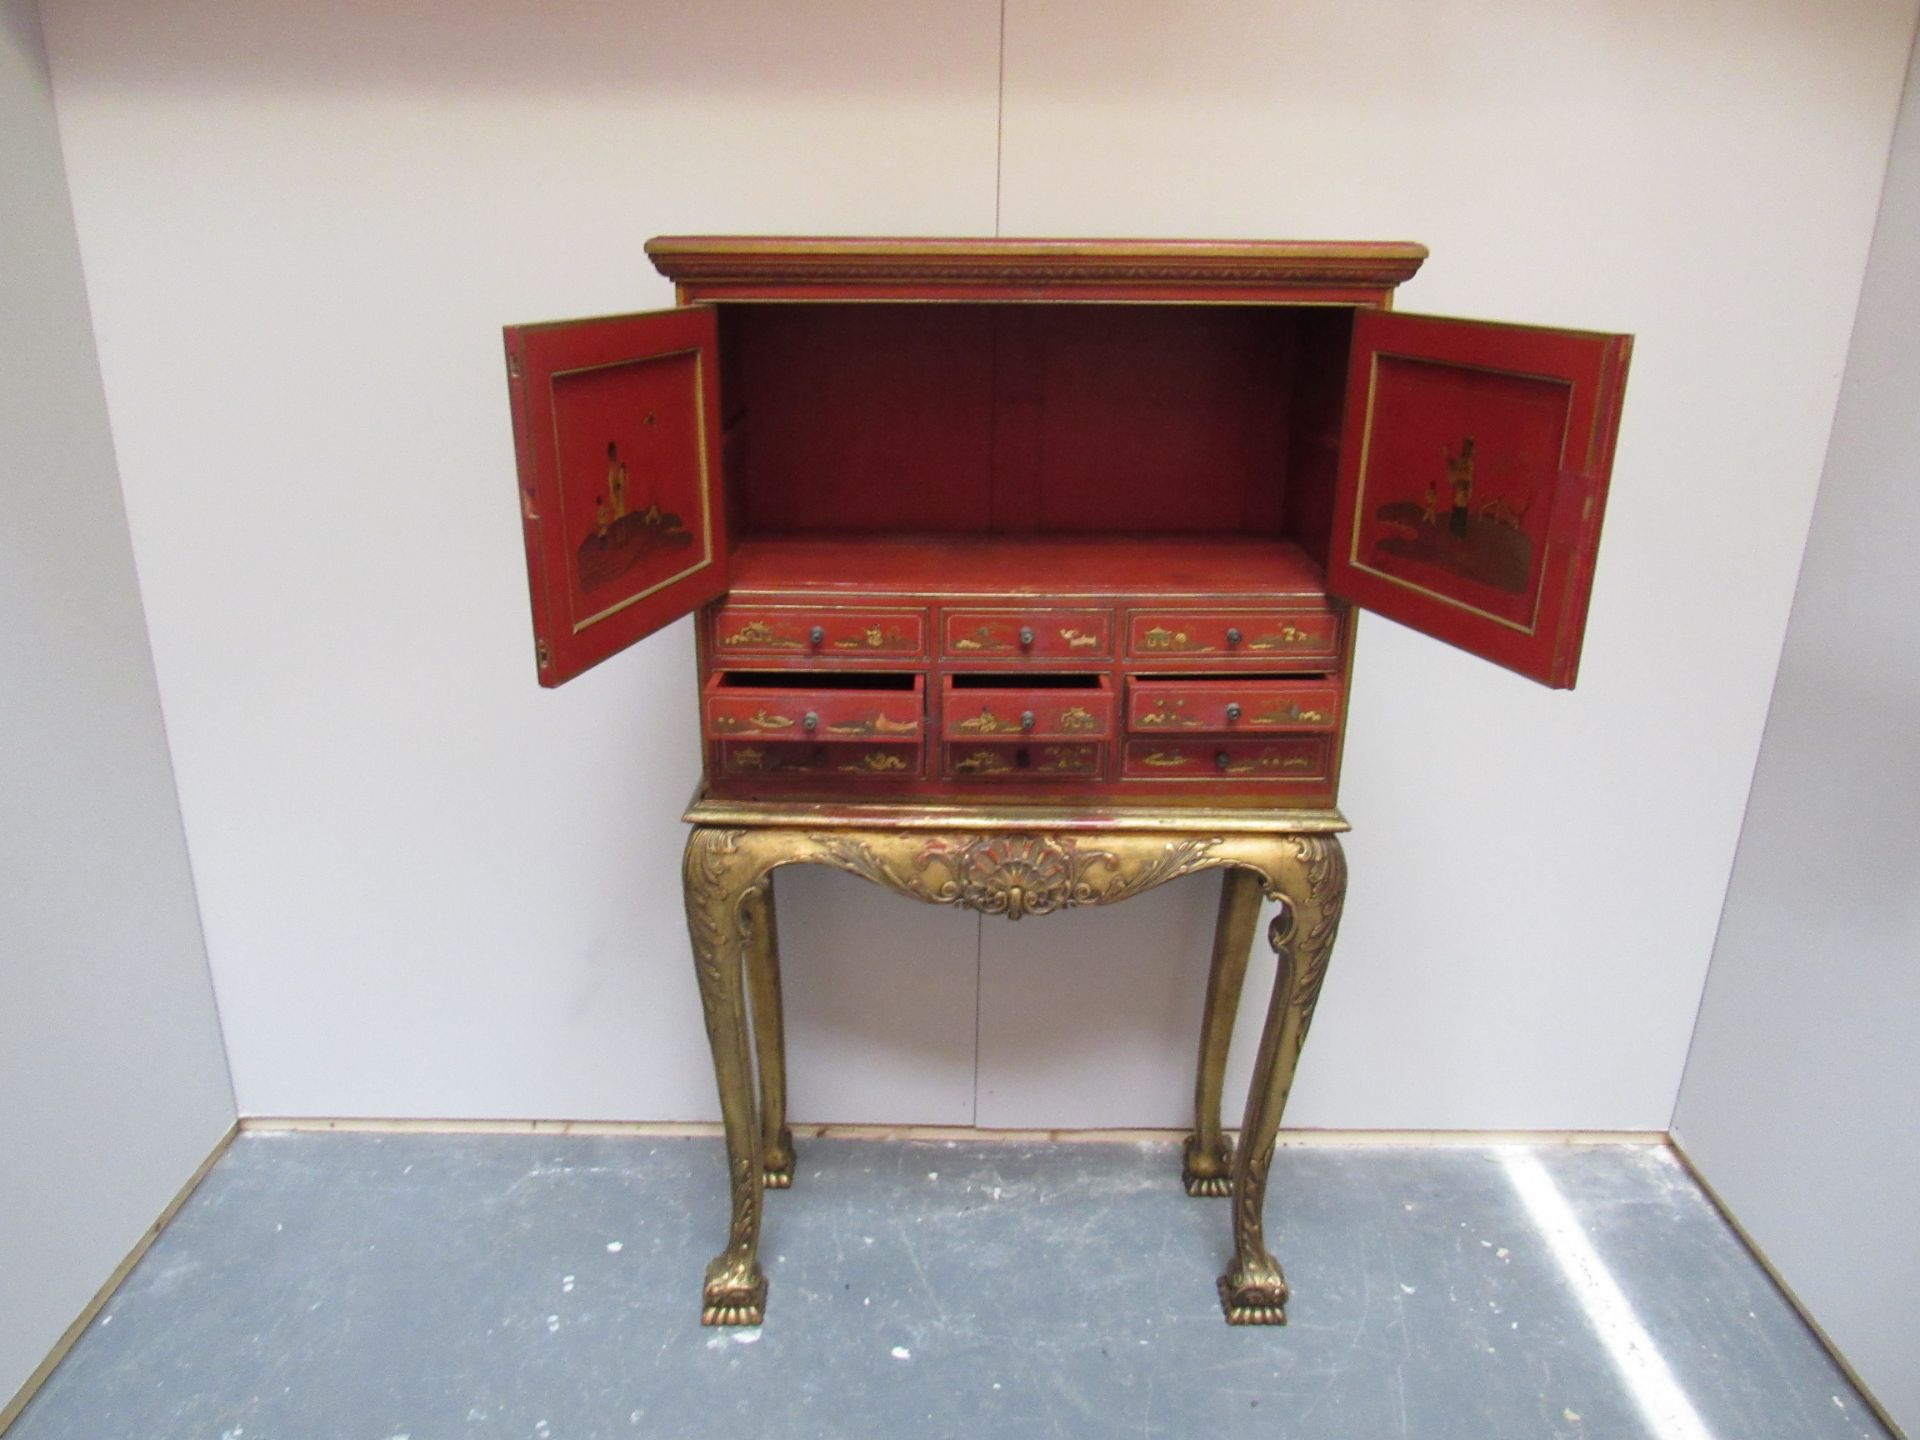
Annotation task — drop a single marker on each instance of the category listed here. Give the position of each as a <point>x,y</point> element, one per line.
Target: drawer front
<point>789,631</point>
<point>1270,637</point>
<point>746,759</point>
<point>1042,634</point>
<point>1015,761</point>
<point>1228,706</point>
<point>1293,758</point>
<point>977,713</point>
<point>769,713</point>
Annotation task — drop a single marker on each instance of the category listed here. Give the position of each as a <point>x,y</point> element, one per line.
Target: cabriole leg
<point>769,1037</point>
<point>1208,1166</point>
<point>1254,1291</point>
<point>720,878</point>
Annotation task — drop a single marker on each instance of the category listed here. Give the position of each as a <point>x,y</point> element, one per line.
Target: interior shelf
<point>999,565</point>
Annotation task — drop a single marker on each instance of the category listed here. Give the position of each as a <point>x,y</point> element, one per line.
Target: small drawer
<point>1292,758</point>
<point>1079,707</point>
<point>1013,760</point>
<point>796,705</point>
<point>1270,637</point>
<point>787,631</point>
<point>739,759</point>
<point>1018,634</point>
<point>1227,705</point>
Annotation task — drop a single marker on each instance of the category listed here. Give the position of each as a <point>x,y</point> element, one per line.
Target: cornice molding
<point>710,260</point>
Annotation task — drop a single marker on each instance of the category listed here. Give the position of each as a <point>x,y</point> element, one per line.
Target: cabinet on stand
<point>1025,575</point>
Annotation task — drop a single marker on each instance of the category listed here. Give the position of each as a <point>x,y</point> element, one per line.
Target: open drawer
<point>1026,707</point>
<point>811,706</point>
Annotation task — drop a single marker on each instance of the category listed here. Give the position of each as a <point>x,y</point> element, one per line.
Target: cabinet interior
<point>821,680</point>
<point>1016,680</point>
<point>1002,440</point>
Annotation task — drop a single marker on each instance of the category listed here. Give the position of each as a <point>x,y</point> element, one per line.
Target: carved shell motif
<point>1025,875</point>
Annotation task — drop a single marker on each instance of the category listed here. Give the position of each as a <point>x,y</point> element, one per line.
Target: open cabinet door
<point>1473,474</point>
<point>615,423</point>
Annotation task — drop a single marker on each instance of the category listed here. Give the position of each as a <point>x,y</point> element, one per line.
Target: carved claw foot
<point>777,1163</point>
<point>735,1294</point>
<point>1256,1299</point>
<point>1208,1173</point>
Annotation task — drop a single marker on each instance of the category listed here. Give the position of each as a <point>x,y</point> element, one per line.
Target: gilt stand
<point>1001,865</point>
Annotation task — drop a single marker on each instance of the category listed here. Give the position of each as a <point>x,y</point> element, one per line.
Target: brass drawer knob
<point>1234,636</point>
<point>1026,719</point>
<point>810,722</point>
<point>817,636</point>
<point>1026,637</point>
<point>1233,711</point>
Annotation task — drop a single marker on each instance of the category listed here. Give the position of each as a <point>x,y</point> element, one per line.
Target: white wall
<point>1798,1099</point>
<point>430,888</point>
<point>113,1087</point>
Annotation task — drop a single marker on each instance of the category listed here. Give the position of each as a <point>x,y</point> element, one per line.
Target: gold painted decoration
<point>981,639</point>
<point>872,638</point>
<point>982,762</point>
<point>1294,714</point>
<point>1065,760</point>
<point>760,633</point>
<point>985,723</point>
<point>1078,717</point>
<point>877,723</point>
<point>1080,640</point>
<point>1285,635</point>
<point>877,762</point>
<point>1161,637</point>
<point>1251,764</point>
<point>1169,711</point>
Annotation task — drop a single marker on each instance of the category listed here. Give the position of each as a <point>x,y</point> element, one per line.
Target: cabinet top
<point>757,259</point>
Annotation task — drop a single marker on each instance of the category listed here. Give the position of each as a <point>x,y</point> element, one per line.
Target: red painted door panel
<point>616,428</point>
<point>1473,476</point>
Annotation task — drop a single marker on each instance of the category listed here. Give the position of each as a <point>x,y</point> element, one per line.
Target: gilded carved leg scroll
<point>1312,884</point>
<point>1208,1166</point>
<point>769,1037</point>
<point>722,878</point>
<point>729,894</point>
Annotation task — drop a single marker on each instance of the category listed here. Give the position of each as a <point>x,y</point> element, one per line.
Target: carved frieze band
<point>1016,873</point>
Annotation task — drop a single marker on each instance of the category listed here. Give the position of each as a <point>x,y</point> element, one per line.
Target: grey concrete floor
<point>412,1287</point>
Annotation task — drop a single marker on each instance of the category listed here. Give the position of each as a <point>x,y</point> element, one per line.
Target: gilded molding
<point>808,260</point>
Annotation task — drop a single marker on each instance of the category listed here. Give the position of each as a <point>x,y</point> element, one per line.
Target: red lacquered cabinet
<point>1011,521</point>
